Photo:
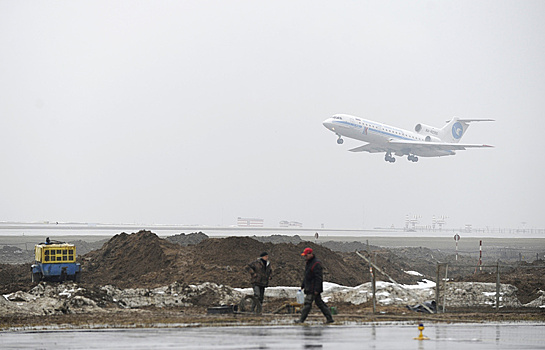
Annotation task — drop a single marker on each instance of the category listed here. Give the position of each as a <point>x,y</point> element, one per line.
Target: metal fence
<point>487,273</point>
<point>486,276</point>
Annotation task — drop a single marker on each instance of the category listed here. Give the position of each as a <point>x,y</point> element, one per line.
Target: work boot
<point>299,321</point>
<point>329,321</point>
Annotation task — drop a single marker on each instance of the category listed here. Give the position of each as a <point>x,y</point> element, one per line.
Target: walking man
<point>261,272</point>
<point>313,286</point>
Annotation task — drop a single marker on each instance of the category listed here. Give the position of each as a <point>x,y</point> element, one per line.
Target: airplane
<point>427,141</point>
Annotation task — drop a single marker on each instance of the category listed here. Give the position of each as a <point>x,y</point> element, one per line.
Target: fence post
<point>373,278</point>
<point>374,284</point>
<point>445,287</point>
<point>497,285</point>
<point>437,287</point>
<point>392,280</point>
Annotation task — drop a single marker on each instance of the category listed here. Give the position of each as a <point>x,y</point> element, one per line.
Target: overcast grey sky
<point>197,112</point>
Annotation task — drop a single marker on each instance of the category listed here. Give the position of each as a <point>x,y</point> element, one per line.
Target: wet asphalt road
<point>381,336</point>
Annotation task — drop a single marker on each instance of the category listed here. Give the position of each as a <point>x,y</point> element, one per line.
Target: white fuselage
<point>368,130</point>
<point>427,141</point>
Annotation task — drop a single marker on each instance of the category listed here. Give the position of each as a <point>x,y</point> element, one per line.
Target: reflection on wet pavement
<point>366,336</point>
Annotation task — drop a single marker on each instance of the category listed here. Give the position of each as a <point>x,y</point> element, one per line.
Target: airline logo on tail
<point>457,130</point>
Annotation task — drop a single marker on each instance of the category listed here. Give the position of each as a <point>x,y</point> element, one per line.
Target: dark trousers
<point>259,293</point>
<point>317,298</point>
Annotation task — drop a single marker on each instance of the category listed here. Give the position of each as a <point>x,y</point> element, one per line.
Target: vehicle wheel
<point>340,141</point>
<point>36,277</point>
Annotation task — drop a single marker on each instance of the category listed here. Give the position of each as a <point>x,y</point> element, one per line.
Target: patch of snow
<point>329,287</point>
<point>420,285</point>
<point>413,273</point>
<point>67,293</point>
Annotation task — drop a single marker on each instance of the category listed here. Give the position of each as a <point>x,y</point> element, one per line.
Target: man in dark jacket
<point>261,272</point>
<point>312,286</point>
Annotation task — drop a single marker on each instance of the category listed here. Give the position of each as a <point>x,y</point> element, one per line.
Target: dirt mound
<point>224,260</point>
<point>190,239</point>
<point>83,247</point>
<point>143,260</point>
<point>126,260</point>
<point>15,255</point>
<point>14,277</point>
<point>348,247</point>
<point>278,239</point>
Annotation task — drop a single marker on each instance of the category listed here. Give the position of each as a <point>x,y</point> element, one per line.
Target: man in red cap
<point>312,286</point>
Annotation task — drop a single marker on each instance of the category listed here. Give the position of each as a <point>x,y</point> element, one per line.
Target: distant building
<point>249,222</point>
<point>285,223</point>
<point>295,224</point>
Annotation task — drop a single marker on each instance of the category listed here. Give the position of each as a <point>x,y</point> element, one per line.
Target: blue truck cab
<point>55,262</point>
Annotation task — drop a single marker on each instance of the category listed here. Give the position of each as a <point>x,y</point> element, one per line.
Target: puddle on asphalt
<point>371,336</point>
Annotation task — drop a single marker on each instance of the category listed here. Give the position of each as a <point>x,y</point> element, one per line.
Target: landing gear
<point>339,140</point>
<point>412,158</point>
<point>389,158</point>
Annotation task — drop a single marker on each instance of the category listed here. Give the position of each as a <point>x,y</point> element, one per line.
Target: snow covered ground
<point>458,294</point>
<point>47,299</point>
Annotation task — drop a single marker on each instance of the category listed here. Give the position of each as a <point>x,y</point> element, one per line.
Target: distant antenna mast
<point>410,224</point>
<point>439,222</point>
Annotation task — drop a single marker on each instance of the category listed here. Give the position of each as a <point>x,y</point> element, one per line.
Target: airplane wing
<point>419,148</point>
<point>394,145</point>
<point>474,120</point>
<point>371,148</point>
<point>439,146</point>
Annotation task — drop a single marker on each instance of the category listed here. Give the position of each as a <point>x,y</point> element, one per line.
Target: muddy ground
<point>143,260</point>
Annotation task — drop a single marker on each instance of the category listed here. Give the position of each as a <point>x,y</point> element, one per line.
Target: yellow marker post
<point>421,336</point>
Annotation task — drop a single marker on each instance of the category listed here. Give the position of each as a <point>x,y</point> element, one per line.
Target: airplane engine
<point>424,129</point>
<point>432,139</point>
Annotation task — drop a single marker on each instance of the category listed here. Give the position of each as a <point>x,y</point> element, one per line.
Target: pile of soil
<point>14,278</point>
<point>190,239</point>
<point>144,260</point>
<point>15,255</point>
<point>224,261</point>
<point>83,247</point>
<point>130,261</point>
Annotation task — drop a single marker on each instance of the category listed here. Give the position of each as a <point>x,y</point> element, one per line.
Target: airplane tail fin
<point>455,128</point>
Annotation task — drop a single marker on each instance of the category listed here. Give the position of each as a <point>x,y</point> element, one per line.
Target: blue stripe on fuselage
<point>347,123</point>
<point>371,129</point>
<point>393,135</point>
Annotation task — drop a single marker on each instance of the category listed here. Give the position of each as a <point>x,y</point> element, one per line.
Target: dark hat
<point>307,251</point>
<point>263,254</point>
